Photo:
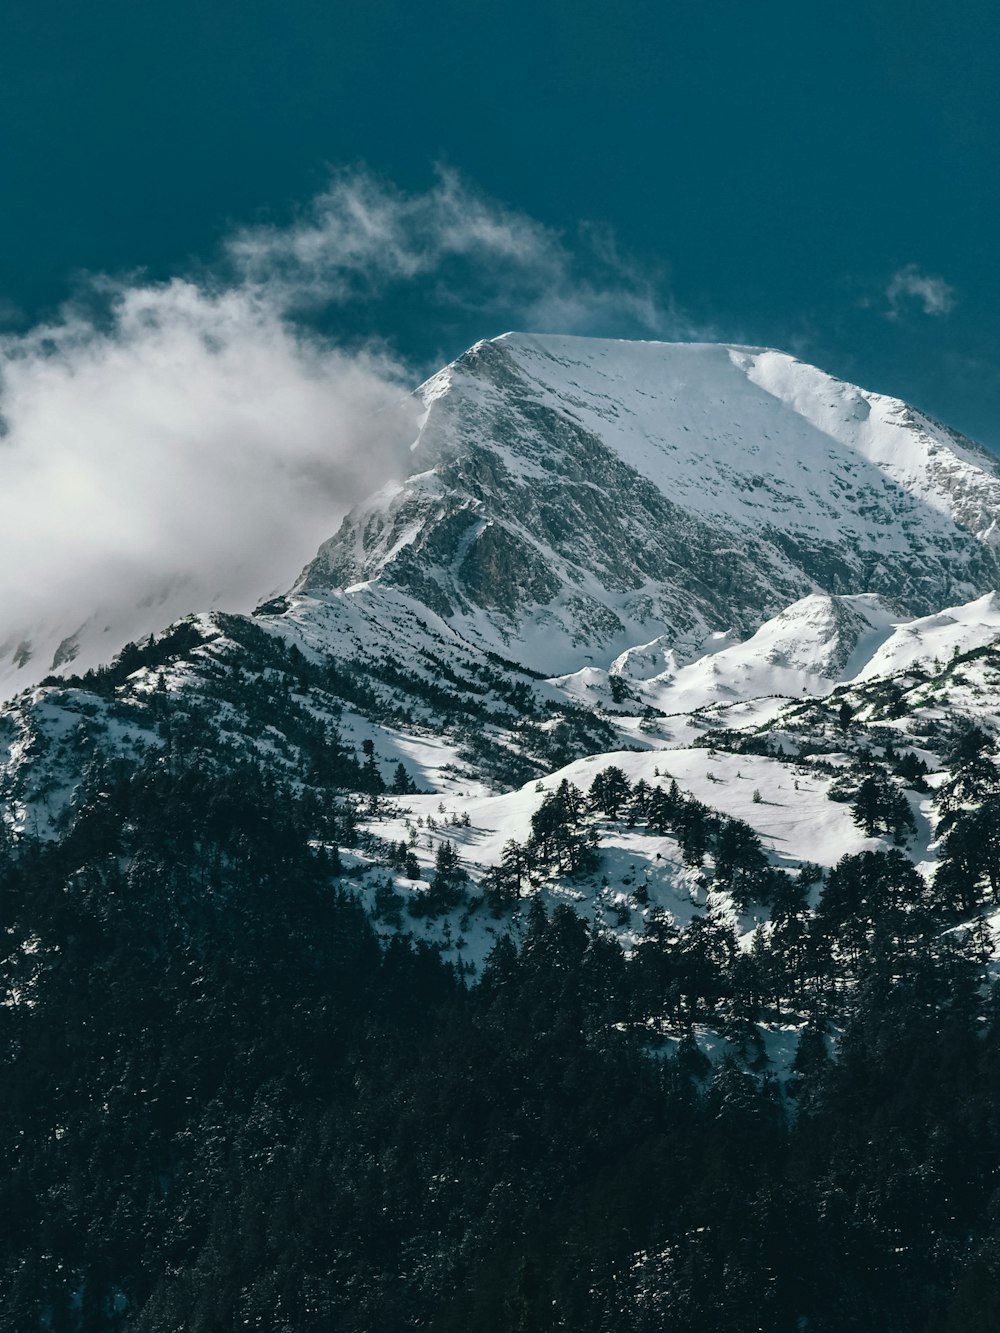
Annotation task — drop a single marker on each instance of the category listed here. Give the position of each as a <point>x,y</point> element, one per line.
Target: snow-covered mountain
<point>815,644</point>
<point>641,555</point>
<point>571,498</point>
<point>651,724</point>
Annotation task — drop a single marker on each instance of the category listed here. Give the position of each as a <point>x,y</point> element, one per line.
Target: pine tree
<point>740,862</point>
<point>371,780</point>
<point>610,791</point>
<point>402,783</point>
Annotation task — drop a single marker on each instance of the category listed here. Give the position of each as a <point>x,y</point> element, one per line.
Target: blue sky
<point>818,177</point>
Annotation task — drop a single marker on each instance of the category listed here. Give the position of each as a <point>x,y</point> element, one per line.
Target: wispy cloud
<point>362,237</point>
<point>910,287</point>
<point>169,446</point>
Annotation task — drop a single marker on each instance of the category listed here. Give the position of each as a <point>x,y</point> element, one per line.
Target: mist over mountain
<point>570,903</point>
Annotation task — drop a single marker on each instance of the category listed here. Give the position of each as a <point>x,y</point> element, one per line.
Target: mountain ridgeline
<point>592,490</point>
<point>573,905</point>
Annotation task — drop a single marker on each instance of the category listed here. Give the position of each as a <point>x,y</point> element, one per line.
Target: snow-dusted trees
<point>740,862</point>
<point>447,887</point>
<point>873,892</point>
<point>970,864</point>
<point>880,806</point>
<point>560,838</point>
<point>610,791</point>
<point>502,883</point>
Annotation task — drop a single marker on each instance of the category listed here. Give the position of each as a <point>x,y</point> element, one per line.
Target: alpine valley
<point>572,905</point>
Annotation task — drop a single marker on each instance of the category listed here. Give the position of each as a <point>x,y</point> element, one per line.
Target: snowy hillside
<point>706,565</point>
<point>810,647</point>
<point>606,545</point>
<point>56,646</point>
<point>647,737</point>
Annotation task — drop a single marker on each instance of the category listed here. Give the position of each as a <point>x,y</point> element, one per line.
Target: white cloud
<point>909,285</point>
<point>170,446</point>
<point>362,237</point>
<point>190,449</point>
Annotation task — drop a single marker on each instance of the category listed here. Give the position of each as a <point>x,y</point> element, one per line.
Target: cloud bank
<point>167,447</point>
<point>183,453</point>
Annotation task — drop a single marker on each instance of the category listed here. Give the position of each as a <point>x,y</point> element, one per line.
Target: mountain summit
<point>571,497</point>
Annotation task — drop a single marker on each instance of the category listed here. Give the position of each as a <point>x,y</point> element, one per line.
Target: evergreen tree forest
<point>228,1103</point>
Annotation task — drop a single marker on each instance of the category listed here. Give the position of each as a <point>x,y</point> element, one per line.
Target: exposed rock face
<point>572,497</point>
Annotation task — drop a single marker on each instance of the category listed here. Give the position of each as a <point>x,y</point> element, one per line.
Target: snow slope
<point>809,648</point>
<point>57,647</point>
<point>573,498</point>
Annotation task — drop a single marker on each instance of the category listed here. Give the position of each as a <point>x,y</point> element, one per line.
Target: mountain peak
<point>571,497</point>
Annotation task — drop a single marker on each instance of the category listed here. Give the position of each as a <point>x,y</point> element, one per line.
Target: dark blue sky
<point>821,177</point>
